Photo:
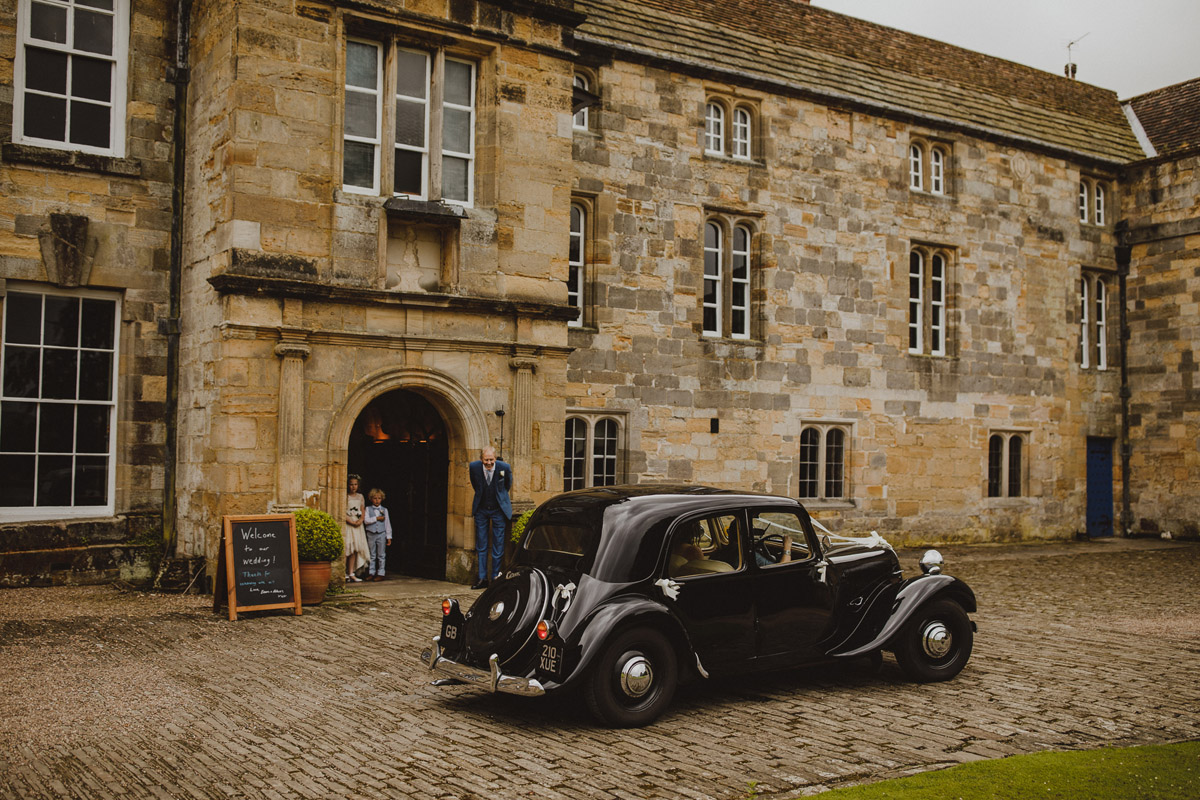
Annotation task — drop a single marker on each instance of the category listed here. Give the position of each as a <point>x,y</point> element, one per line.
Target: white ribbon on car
<point>669,587</point>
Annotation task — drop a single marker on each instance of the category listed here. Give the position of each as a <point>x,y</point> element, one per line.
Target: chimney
<point>1069,70</point>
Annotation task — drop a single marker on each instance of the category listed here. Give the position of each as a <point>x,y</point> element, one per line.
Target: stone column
<point>522,426</point>
<point>289,475</point>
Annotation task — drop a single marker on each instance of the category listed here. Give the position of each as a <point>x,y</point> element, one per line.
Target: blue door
<point>1099,487</point>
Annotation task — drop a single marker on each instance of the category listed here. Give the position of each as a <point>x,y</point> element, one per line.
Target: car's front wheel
<point>634,679</point>
<point>935,644</point>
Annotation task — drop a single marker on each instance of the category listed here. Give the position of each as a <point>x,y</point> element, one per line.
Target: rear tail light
<point>447,605</point>
<point>543,630</point>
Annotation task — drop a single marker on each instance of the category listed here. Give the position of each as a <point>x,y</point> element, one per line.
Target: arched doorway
<point>399,444</point>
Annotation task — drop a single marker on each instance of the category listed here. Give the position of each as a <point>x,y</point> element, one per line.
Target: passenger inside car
<point>688,556</point>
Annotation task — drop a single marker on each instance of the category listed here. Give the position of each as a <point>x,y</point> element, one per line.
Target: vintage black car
<point>623,591</point>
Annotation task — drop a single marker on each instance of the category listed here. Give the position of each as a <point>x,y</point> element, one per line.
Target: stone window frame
<point>580,465</point>
<point>814,460</point>
<point>1094,302</point>
<point>579,258</point>
<point>1006,464</point>
<point>66,511</point>
<point>434,152</point>
<point>117,102</point>
<point>731,126</point>
<point>925,305</point>
<point>1092,201</point>
<point>581,119</point>
<point>725,259</point>
<point>929,166</point>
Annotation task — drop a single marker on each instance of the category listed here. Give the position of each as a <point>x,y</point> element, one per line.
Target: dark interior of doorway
<point>399,445</point>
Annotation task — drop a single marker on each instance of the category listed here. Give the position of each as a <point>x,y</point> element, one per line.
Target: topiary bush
<point>318,536</point>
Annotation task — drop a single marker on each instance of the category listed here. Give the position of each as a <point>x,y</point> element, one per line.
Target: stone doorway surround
<point>467,433</point>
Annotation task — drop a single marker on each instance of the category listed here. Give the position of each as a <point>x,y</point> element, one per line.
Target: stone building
<point>86,225</point>
<point>751,244</point>
<point>1162,233</point>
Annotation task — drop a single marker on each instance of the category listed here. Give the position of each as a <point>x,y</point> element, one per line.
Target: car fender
<point>625,612</point>
<point>914,593</point>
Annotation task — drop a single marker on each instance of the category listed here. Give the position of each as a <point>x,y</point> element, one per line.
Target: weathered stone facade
<point>308,301</point>
<point>1163,309</point>
<point>81,224</point>
<point>328,322</point>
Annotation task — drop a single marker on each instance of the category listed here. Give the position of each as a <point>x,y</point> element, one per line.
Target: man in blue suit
<point>492,480</point>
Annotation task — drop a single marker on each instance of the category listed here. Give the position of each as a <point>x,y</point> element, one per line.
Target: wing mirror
<point>931,562</point>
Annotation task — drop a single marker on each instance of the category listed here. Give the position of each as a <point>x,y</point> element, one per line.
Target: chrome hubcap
<point>936,639</point>
<point>637,675</point>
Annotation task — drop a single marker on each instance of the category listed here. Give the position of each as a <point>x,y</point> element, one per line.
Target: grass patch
<point>1156,772</point>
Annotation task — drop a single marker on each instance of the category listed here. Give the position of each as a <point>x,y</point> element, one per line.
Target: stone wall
<point>833,218</point>
<point>309,300</point>
<point>1164,284</point>
<point>114,214</point>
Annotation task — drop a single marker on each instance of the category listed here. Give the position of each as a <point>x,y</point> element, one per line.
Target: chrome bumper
<point>493,680</point>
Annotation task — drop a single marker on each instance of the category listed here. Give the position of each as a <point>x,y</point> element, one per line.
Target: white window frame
<point>928,286</point>
<point>598,430</point>
<point>577,261</point>
<point>916,167</point>
<point>716,278</point>
<point>1101,324</point>
<point>434,153</point>
<point>1093,320</point>
<point>937,171</point>
<point>1083,201</point>
<point>376,140</point>
<point>739,289</point>
<point>742,132</point>
<point>1098,205</point>
<point>579,120</point>
<point>1085,305</point>
<point>824,430</point>
<point>71,511</point>
<point>119,58</point>
<point>714,128</point>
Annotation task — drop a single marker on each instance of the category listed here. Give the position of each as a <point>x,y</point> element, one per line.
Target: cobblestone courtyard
<point>105,693</point>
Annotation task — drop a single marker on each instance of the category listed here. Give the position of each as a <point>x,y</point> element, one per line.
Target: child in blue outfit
<point>378,524</point>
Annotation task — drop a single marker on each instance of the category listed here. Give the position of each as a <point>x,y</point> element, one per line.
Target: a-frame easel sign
<point>257,569</point>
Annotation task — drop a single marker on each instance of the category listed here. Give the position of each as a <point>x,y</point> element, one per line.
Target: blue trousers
<point>498,523</point>
<point>377,547</point>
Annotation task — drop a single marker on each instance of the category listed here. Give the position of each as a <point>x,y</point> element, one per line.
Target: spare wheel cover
<point>505,616</point>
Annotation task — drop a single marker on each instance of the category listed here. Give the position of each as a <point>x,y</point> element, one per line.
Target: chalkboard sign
<point>258,560</point>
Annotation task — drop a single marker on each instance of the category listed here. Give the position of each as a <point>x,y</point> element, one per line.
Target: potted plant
<point>318,543</point>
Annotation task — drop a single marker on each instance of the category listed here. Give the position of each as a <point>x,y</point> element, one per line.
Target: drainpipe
<point>169,327</point>
<point>1123,251</point>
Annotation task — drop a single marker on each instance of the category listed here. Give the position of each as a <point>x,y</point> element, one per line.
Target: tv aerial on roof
<point>1070,69</point>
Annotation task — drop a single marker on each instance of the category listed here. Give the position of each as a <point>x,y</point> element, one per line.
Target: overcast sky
<point>1129,46</point>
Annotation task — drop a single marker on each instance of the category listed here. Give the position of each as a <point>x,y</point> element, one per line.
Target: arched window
<point>592,451</point>
<point>1093,321</point>
<point>739,294</point>
<point>714,129</point>
<point>1098,217</point>
<point>1101,327</point>
<point>1083,201</point>
<point>916,168</point>
<point>822,461</point>
<point>1084,325</point>
<point>928,277</point>
<point>575,262</point>
<point>937,171</point>
<point>575,455</point>
<point>580,119</point>
<point>1006,469</point>
<point>741,133</point>
<point>714,253</point>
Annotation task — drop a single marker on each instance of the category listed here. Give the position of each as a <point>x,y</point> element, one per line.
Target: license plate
<point>551,658</point>
<point>449,631</point>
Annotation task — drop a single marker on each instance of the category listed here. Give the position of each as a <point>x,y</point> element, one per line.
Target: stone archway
<point>465,434</point>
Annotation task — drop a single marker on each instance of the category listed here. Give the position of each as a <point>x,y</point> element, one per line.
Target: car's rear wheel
<point>935,644</point>
<point>634,679</point>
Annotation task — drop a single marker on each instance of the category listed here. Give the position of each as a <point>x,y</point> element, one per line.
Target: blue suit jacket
<point>503,479</point>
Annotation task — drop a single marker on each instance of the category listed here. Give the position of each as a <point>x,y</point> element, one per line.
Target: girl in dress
<point>352,531</point>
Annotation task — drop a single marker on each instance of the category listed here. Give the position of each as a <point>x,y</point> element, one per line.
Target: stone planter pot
<point>314,581</point>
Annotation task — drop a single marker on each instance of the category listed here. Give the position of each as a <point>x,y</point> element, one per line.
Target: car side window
<point>778,538</point>
<point>706,546</point>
